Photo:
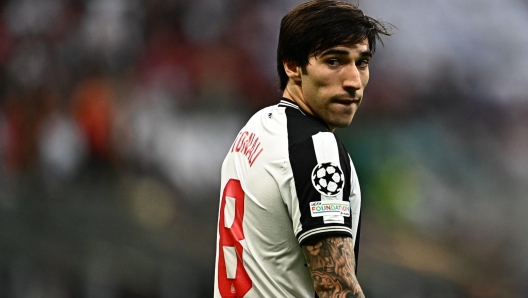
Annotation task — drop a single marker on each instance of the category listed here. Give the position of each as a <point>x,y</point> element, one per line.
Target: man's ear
<point>293,71</point>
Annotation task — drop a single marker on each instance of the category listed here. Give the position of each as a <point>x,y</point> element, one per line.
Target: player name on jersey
<point>248,144</point>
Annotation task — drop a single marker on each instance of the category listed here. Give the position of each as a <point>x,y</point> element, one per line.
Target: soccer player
<point>290,198</point>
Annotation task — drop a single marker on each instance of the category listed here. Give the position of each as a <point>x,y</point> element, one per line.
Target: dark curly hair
<point>318,25</point>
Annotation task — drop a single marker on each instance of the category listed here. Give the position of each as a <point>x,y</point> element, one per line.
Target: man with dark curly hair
<point>290,198</point>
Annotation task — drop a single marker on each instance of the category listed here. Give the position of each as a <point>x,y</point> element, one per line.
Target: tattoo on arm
<point>331,262</point>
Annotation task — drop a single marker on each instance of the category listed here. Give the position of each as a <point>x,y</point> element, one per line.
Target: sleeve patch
<point>325,208</point>
<point>328,179</point>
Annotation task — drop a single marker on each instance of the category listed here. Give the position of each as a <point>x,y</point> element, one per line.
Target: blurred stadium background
<point>115,116</point>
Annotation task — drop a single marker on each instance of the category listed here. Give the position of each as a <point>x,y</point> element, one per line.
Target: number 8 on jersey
<point>233,280</point>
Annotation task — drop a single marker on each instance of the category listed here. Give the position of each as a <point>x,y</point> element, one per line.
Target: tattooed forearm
<point>331,262</point>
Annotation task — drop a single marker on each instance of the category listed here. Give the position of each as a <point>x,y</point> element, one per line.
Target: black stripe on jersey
<point>356,243</point>
<point>300,125</point>
<point>344,162</point>
<point>301,128</point>
<point>303,160</point>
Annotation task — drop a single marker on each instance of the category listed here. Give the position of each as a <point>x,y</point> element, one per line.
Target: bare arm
<point>331,262</point>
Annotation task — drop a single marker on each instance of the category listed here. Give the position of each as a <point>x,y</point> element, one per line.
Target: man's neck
<point>294,93</point>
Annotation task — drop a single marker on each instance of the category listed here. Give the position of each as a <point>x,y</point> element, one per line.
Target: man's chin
<point>341,124</point>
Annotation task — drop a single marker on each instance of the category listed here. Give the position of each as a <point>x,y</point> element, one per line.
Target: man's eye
<point>333,62</point>
<point>362,63</point>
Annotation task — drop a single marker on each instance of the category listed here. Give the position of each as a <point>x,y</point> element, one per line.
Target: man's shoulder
<point>302,126</point>
<point>263,113</point>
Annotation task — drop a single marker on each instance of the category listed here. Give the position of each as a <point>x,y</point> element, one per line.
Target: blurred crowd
<point>115,116</point>
<point>113,81</point>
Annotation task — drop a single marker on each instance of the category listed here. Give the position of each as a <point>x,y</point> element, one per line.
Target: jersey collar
<point>286,102</point>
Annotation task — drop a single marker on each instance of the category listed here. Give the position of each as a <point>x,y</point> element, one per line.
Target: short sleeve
<point>321,187</point>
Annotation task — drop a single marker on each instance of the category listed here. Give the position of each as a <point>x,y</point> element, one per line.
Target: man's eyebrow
<point>366,54</point>
<point>344,52</point>
<point>334,52</point>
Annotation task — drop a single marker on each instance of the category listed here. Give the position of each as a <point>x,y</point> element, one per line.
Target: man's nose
<point>352,78</point>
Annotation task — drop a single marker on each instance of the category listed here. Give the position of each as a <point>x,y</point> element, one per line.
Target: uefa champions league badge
<point>328,179</point>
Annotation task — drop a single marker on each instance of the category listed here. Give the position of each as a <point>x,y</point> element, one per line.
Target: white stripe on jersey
<point>326,150</point>
<point>355,199</point>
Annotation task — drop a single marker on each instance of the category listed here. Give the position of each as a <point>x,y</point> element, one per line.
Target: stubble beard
<point>340,115</point>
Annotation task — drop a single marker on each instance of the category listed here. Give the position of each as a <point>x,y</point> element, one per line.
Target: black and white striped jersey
<point>285,180</point>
